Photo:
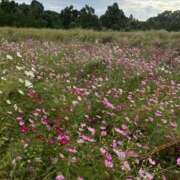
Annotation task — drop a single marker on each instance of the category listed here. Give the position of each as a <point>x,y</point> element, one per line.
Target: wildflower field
<point>89,108</point>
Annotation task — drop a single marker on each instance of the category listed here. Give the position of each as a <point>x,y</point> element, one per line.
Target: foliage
<point>114,18</point>
<point>88,19</point>
<point>34,15</point>
<point>167,20</point>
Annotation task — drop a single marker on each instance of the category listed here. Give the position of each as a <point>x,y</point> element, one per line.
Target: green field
<point>89,105</point>
<point>139,38</point>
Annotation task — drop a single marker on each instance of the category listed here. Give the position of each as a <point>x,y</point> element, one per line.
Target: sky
<point>141,9</point>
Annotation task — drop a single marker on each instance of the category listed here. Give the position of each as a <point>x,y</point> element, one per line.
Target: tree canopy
<point>34,15</point>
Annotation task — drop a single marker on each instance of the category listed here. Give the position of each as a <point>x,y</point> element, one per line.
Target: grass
<point>145,38</point>
<point>86,104</point>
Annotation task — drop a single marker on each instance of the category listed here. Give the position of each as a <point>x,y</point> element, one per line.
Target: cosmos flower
<point>71,150</point>
<point>19,54</point>
<point>87,138</point>
<point>92,130</point>
<point>63,139</point>
<point>121,131</point>
<point>60,177</point>
<point>108,104</point>
<point>121,155</point>
<point>152,162</point>
<point>108,163</point>
<point>145,175</point>
<point>23,129</point>
<point>178,161</point>
<point>9,57</point>
<point>125,166</point>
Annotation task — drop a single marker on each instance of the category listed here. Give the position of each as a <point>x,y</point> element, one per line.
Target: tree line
<point>34,15</point>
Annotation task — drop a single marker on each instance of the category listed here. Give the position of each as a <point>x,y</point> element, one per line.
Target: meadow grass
<point>139,38</point>
<point>89,105</point>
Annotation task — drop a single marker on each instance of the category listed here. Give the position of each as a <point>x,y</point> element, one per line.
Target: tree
<point>52,19</point>
<point>167,20</point>
<point>133,24</point>
<point>114,18</point>
<point>8,10</point>
<point>69,17</point>
<point>88,19</point>
<point>37,7</point>
<point>34,15</point>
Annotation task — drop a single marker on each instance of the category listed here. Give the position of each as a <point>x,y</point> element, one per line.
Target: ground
<point>89,107</point>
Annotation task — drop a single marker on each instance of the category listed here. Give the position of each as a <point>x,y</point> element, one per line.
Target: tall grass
<point>139,38</point>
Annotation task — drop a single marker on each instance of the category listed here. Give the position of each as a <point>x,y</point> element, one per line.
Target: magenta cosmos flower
<point>63,139</point>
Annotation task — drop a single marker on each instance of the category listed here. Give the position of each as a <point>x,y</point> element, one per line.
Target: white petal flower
<point>19,55</point>
<point>9,57</point>
<point>21,92</point>
<point>28,84</point>
<point>29,74</point>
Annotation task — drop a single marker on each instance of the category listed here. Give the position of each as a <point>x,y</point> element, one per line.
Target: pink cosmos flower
<point>60,177</point>
<point>79,91</point>
<point>103,133</point>
<point>44,121</point>
<point>103,151</point>
<point>108,104</point>
<point>122,132</point>
<point>71,150</point>
<point>126,166</point>
<point>114,144</point>
<point>87,138</point>
<point>158,113</point>
<point>178,161</point>
<point>19,118</point>
<point>21,123</point>
<point>149,176</point>
<point>145,175</point>
<point>152,162</point>
<point>121,155</point>
<point>108,156</point>
<point>108,163</point>
<point>92,130</point>
<point>173,124</point>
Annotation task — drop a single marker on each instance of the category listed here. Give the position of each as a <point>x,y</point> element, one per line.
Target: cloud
<point>141,9</point>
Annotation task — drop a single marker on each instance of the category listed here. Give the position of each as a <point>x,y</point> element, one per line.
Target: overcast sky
<point>141,9</point>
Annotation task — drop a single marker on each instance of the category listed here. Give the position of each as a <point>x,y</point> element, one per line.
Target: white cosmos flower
<point>8,101</point>
<point>21,92</point>
<point>15,107</point>
<point>19,68</point>
<point>19,55</point>
<point>29,74</point>
<point>28,84</point>
<point>9,57</point>
<point>21,80</point>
